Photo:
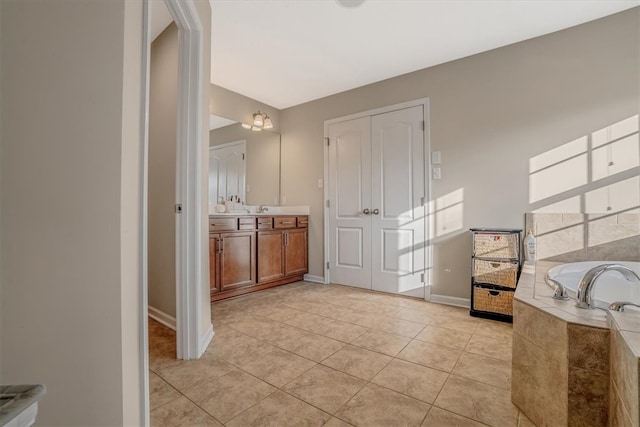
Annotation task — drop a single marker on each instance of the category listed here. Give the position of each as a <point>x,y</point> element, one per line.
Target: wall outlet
<point>436,173</point>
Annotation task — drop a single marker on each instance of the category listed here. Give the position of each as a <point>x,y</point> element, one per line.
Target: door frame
<point>424,102</point>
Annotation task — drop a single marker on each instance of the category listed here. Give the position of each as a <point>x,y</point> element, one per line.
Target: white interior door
<point>377,186</point>
<point>398,212</point>
<point>350,195</point>
<point>227,171</point>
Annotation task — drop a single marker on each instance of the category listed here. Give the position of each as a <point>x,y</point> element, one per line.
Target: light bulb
<point>257,119</point>
<point>256,128</point>
<point>267,122</point>
<point>246,126</point>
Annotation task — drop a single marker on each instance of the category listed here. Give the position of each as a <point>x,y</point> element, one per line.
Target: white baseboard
<point>206,340</point>
<point>447,300</point>
<point>312,278</point>
<point>162,317</point>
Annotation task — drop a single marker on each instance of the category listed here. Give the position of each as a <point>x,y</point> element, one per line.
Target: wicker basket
<point>501,273</point>
<point>492,300</point>
<point>496,245</point>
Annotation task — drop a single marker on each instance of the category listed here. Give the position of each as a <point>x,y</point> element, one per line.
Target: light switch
<point>436,173</point>
<point>435,158</point>
<point>320,183</point>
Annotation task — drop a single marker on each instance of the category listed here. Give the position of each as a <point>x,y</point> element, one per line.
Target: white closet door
<point>350,195</point>
<point>398,219</point>
<point>227,171</point>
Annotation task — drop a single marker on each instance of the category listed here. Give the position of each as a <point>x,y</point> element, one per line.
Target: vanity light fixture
<point>260,121</point>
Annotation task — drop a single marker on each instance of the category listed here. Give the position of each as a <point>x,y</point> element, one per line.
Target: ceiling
<point>284,53</point>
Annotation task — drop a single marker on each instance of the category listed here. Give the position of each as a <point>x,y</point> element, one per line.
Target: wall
<point>232,105</point>
<point>70,269</point>
<point>491,114</point>
<point>163,92</point>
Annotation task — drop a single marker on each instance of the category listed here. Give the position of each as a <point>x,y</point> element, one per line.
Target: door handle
<point>376,211</point>
<point>366,211</point>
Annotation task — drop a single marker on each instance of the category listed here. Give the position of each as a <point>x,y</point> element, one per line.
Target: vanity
<point>248,253</point>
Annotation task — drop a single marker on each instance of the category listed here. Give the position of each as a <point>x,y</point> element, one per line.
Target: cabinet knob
<point>366,211</point>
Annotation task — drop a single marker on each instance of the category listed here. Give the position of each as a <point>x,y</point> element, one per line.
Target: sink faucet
<point>588,281</point>
<point>262,209</point>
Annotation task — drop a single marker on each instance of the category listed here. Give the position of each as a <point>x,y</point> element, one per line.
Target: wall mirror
<point>243,163</point>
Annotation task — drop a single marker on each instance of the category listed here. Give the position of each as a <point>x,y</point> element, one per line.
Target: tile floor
<point>310,355</point>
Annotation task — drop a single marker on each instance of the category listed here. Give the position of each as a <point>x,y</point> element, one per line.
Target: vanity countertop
<point>271,211</point>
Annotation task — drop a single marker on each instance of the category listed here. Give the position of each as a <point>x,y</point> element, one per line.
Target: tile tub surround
<point>625,369</point>
<point>561,355</point>
<point>347,357</point>
<point>570,237</point>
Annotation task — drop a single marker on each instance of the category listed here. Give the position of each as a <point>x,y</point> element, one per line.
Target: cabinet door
<point>295,259</point>
<point>236,254</point>
<point>214,282</point>
<point>270,255</point>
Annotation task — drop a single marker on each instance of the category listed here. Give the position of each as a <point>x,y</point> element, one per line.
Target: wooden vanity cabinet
<point>251,253</point>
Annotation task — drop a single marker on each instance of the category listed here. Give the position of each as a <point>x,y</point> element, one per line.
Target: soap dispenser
<point>530,247</point>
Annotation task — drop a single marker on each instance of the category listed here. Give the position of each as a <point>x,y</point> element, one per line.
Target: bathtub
<point>610,287</point>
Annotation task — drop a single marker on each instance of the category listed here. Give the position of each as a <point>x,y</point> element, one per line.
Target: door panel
<point>296,252</point>
<point>237,252</point>
<point>377,164</point>
<point>398,182</point>
<point>350,194</point>
<point>227,171</point>
<point>270,255</point>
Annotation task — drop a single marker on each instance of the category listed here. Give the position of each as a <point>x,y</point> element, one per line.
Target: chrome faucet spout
<point>586,286</point>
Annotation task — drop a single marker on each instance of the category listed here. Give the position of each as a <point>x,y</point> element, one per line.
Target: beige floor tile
<point>480,402</point>
<point>361,318</point>
<point>341,331</point>
<point>464,324</point>
<point>186,374</point>
<point>181,412</point>
<point>413,380</point>
<point>277,312</point>
<point>234,347</point>
<point>484,369</point>
<point>280,410</point>
<point>496,346</point>
<point>359,362</point>
<point>490,327</point>
<point>160,392</point>
<point>381,342</point>
<point>430,355</point>
<point>440,418</point>
<point>404,328</point>
<point>411,315</point>
<point>336,422</point>
<point>444,337</point>
<point>306,321</point>
<point>229,395</point>
<point>378,406</point>
<point>278,367</point>
<point>161,354</point>
<point>324,388</point>
<point>314,347</point>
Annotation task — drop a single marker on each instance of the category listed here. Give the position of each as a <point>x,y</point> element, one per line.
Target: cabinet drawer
<point>284,222</point>
<point>496,245</point>
<point>303,221</point>
<point>246,223</point>
<point>501,273</point>
<point>223,224</point>
<point>493,300</point>
<point>265,223</point>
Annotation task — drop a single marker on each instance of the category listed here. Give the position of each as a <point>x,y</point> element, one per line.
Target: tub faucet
<point>559,291</point>
<point>588,281</point>
<point>619,305</point>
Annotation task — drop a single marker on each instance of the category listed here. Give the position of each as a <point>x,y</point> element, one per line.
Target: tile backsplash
<point>571,237</point>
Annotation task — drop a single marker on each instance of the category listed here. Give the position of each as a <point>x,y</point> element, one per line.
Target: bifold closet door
<point>398,212</point>
<point>350,195</point>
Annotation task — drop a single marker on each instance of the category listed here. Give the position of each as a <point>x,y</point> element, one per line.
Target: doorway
<point>377,187</point>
